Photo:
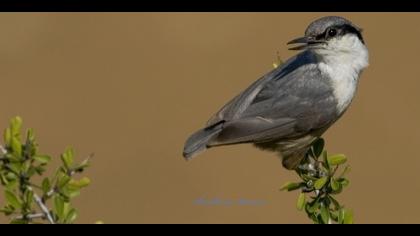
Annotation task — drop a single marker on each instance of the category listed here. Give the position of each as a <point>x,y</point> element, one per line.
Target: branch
<point>30,216</point>
<point>42,206</point>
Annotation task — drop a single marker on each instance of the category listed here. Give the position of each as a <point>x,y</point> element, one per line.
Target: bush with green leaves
<point>321,181</point>
<point>30,196</point>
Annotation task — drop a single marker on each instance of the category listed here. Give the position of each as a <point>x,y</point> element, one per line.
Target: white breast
<point>344,81</point>
<point>342,61</point>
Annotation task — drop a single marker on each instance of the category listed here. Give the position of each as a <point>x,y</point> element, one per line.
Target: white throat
<point>342,60</point>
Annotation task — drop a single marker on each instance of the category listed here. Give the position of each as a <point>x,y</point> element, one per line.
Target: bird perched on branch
<point>294,104</point>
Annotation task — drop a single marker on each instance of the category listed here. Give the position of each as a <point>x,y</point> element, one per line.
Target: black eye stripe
<point>341,30</point>
<point>320,36</point>
<point>348,29</point>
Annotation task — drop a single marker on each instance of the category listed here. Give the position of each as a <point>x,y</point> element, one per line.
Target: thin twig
<point>31,216</point>
<point>42,206</point>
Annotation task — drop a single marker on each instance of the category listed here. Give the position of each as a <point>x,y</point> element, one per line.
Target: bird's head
<point>331,35</point>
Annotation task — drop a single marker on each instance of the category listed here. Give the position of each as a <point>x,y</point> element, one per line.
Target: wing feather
<point>287,102</point>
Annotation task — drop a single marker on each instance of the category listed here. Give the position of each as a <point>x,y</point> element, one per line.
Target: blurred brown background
<point>132,87</point>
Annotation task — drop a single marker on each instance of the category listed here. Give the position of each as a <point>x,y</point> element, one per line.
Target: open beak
<point>305,42</point>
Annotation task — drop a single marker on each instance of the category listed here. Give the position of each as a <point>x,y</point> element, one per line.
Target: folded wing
<point>290,101</point>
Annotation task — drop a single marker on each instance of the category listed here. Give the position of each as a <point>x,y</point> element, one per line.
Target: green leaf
<point>29,198</point>
<point>335,185</point>
<point>312,207</point>
<point>31,145</point>
<point>320,183</point>
<point>71,216</point>
<point>26,166</point>
<point>70,191</point>
<point>7,210</point>
<point>16,146</point>
<point>318,147</point>
<point>46,185</point>
<point>11,176</point>
<point>338,191</point>
<point>30,135</point>
<point>59,205</point>
<point>301,201</point>
<point>16,125</point>
<point>13,184</point>
<point>31,171</point>
<point>344,182</point>
<point>82,183</point>
<point>40,169</point>
<point>63,180</point>
<point>66,198</point>
<point>290,186</point>
<point>7,137</point>
<point>12,199</point>
<point>66,208</point>
<point>16,167</point>
<point>325,214</point>
<point>348,217</point>
<point>13,158</point>
<point>337,159</point>
<point>43,159</point>
<point>68,158</point>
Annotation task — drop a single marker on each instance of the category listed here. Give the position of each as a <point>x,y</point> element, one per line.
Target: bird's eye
<point>332,32</point>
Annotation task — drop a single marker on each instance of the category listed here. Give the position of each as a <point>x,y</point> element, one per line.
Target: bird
<point>290,107</point>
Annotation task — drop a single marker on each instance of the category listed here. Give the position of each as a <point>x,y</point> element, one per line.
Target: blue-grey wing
<point>234,108</point>
<point>289,101</point>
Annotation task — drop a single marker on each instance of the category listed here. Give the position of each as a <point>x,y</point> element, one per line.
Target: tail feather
<point>197,142</point>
